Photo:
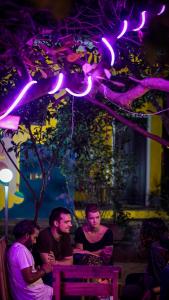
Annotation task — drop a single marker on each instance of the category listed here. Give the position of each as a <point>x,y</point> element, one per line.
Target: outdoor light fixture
<point>105,41</point>
<point>6,176</point>
<point>86,92</point>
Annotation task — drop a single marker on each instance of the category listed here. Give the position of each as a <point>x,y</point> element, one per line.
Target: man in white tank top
<point>25,281</point>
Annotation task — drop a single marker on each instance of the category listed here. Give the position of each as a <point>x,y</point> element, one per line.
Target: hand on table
<point>51,257</point>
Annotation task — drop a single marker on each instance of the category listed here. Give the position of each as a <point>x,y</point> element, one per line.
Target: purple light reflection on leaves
<point>58,84</point>
<point>162,10</point>
<point>143,18</point>
<point>105,41</point>
<point>86,92</point>
<point>18,99</point>
<point>125,25</point>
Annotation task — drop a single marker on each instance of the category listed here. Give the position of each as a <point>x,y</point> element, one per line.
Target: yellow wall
<point>15,198</point>
<point>132,214</point>
<point>155,155</point>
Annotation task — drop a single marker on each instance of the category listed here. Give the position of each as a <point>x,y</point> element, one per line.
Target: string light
<point>125,25</point>
<point>162,10</point>
<point>105,41</point>
<point>85,93</point>
<point>72,120</point>
<point>58,85</point>
<point>89,87</point>
<point>18,99</point>
<point>143,18</point>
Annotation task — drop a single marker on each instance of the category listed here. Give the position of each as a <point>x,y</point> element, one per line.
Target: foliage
<point>86,155</point>
<point>81,146</point>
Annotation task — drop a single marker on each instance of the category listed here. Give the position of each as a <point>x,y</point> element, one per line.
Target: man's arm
<point>65,261</point>
<point>107,254</point>
<point>50,258</point>
<point>31,277</point>
<point>79,249</point>
<point>46,257</point>
<point>106,251</point>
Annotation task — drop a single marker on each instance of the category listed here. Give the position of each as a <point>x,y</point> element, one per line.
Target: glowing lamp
<point>6,176</point>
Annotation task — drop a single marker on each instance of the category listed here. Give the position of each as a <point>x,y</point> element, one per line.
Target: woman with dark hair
<point>145,286</point>
<point>93,241</point>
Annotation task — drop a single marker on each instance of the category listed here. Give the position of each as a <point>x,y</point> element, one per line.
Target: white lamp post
<point>6,176</point>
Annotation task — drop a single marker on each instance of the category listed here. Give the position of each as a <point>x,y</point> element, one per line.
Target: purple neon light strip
<point>86,92</point>
<point>58,84</point>
<point>162,10</point>
<point>18,99</point>
<point>105,41</point>
<point>143,18</point>
<point>125,25</point>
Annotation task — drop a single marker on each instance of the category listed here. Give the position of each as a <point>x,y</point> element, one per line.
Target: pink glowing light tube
<point>125,25</point>
<point>18,99</point>
<point>86,92</point>
<point>143,19</point>
<point>161,11</point>
<point>58,85</point>
<point>105,41</point>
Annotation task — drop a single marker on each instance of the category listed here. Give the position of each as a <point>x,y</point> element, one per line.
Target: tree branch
<point>153,83</point>
<point>36,151</point>
<point>129,123</point>
<point>123,99</point>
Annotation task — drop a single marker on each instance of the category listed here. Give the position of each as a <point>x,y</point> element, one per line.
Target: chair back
<point>4,289</point>
<point>85,281</point>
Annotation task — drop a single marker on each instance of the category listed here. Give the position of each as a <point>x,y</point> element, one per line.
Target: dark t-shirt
<point>47,243</point>
<point>157,260</point>
<point>106,240</point>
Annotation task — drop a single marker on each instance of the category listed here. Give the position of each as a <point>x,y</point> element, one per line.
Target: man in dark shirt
<point>54,243</point>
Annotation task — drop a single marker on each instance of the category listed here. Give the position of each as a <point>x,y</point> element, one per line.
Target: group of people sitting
<point>31,257</point>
